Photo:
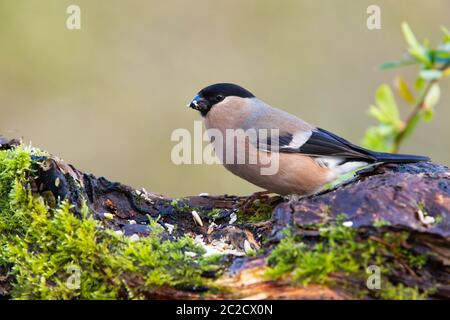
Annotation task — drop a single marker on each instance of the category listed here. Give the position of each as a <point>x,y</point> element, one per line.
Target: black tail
<point>323,142</point>
<point>397,158</point>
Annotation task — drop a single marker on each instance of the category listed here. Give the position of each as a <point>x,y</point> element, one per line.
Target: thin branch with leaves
<point>434,64</point>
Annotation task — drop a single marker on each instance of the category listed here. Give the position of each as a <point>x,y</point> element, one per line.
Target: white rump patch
<point>328,162</point>
<point>349,166</point>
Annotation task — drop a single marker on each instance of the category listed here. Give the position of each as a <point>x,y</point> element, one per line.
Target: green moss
<point>400,292</point>
<point>214,214</point>
<point>180,205</point>
<point>439,219</point>
<point>314,263</point>
<point>258,212</point>
<point>174,203</point>
<point>39,245</point>
<point>341,252</point>
<point>381,223</point>
<point>214,264</point>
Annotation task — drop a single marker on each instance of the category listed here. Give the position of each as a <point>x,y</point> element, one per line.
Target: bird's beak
<point>199,103</point>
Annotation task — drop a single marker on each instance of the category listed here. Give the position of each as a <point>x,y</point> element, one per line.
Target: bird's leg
<point>294,198</point>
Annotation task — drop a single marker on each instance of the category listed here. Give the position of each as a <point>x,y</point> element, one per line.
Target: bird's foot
<point>294,198</point>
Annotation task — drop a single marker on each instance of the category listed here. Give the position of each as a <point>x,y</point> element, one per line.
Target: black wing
<point>324,143</point>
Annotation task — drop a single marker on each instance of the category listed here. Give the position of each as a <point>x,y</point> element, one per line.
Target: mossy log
<point>405,199</point>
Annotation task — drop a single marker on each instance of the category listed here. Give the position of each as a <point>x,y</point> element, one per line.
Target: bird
<point>307,157</point>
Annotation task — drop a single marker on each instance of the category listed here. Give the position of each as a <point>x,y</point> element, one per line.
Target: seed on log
<point>108,215</point>
<point>426,220</point>
<point>197,218</point>
<point>169,227</point>
<point>347,224</point>
<point>233,218</point>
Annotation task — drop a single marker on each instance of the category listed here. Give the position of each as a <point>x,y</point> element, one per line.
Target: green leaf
<point>379,138</point>
<point>386,103</point>
<point>420,84</point>
<point>378,114</point>
<point>432,97</point>
<point>446,34</point>
<point>409,36</point>
<point>443,48</point>
<point>428,114</point>
<point>415,48</point>
<point>403,90</point>
<point>374,140</point>
<point>441,56</point>
<point>430,74</point>
<point>395,64</point>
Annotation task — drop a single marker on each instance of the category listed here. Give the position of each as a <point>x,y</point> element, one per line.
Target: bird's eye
<point>219,98</point>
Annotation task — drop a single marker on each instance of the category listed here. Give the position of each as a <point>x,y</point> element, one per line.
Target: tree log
<point>412,198</point>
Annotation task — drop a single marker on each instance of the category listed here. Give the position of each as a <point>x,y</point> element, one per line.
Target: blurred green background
<point>107,97</point>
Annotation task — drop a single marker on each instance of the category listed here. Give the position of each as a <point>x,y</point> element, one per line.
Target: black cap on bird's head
<point>213,94</point>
